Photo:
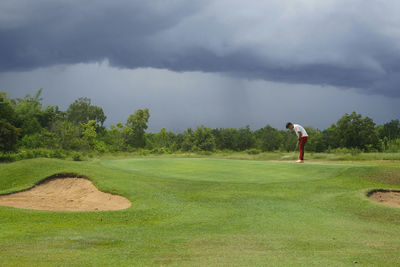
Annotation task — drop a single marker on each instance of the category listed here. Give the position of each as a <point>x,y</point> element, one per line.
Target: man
<point>302,135</point>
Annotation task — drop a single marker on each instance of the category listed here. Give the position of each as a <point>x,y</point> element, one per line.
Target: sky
<point>220,63</point>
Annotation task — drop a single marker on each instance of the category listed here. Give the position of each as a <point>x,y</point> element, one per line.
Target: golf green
<point>207,212</point>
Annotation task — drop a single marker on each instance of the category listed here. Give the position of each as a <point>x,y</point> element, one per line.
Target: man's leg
<point>303,142</point>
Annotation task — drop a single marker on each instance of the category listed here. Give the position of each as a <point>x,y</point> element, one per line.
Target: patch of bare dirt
<point>388,197</point>
<point>65,194</point>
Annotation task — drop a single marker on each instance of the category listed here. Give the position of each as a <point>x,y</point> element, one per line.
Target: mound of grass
<point>206,212</point>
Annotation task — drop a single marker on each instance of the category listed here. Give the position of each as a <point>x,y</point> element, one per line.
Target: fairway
<point>219,170</point>
<point>206,212</point>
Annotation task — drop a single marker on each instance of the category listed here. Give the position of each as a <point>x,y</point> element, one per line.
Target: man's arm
<point>298,141</point>
<point>300,135</point>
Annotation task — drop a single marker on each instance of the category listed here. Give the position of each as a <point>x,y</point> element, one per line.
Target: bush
<point>27,154</point>
<point>253,151</point>
<point>391,145</point>
<point>343,151</point>
<point>77,156</point>
<point>8,157</point>
<point>58,154</point>
<point>143,152</point>
<point>40,153</point>
<point>160,151</point>
<point>34,153</point>
<point>205,153</point>
<point>100,147</point>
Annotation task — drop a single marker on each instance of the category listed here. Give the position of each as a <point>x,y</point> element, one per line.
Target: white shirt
<point>299,128</point>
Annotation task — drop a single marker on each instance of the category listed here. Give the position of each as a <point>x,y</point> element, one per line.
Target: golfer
<point>302,135</point>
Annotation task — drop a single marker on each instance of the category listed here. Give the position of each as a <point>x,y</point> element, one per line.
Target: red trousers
<point>302,142</point>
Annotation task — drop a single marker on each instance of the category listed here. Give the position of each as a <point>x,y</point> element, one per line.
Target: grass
<point>208,212</point>
<point>279,156</point>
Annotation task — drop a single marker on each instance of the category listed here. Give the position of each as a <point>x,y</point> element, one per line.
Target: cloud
<point>342,43</point>
<point>178,100</point>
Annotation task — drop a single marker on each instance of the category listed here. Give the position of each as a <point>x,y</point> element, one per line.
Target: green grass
<point>280,156</point>
<point>207,212</point>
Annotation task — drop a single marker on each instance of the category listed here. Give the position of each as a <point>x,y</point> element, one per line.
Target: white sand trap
<point>65,194</point>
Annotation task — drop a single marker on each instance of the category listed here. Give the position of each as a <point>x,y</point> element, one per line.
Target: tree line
<point>26,124</point>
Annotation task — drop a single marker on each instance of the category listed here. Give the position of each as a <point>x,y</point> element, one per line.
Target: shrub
<point>143,152</point>
<point>253,151</point>
<point>160,151</point>
<point>77,156</point>
<point>205,153</point>
<point>58,154</point>
<point>391,145</point>
<point>8,157</point>
<point>40,153</point>
<point>343,151</point>
<point>100,147</point>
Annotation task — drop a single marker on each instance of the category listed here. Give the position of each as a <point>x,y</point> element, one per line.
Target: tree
<point>353,131</point>
<point>389,134</point>
<point>69,134</point>
<point>289,140</point>
<point>163,138</point>
<point>89,133</point>
<point>315,141</point>
<point>203,139</point>
<point>390,130</point>
<point>115,137</point>
<point>49,115</point>
<point>186,140</point>
<point>245,139</point>
<point>7,112</point>
<point>8,137</point>
<point>137,124</point>
<point>82,111</point>
<point>268,138</point>
<point>226,138</point>
<point>8,132</point>
<point>330,137</point>
<point>27,111</point>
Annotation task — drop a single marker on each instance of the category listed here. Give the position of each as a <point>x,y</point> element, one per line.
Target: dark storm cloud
<point>342,43</point>
<point>181,100</point>
<point>45,33</point>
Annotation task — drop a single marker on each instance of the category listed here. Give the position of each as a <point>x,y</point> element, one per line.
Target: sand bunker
<point>65,194</point>
<point>388,197</point>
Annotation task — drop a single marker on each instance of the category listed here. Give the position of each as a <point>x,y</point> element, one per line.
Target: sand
<point>65,194</point>
<point>388,197</point>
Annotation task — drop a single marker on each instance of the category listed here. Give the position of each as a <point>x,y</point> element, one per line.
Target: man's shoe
<point>299,161</point>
